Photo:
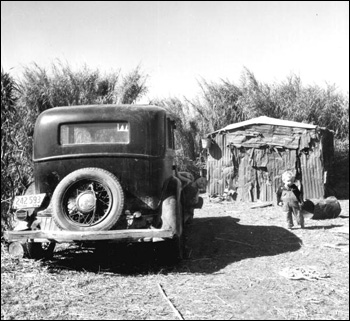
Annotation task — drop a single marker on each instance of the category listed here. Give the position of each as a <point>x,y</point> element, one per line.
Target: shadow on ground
<point>211,244</point>
<point>214,243</point>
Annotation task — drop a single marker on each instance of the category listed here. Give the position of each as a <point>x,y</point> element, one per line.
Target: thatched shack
<point>249,158</point>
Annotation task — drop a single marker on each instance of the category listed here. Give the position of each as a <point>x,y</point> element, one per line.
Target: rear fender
<point>171,216</point>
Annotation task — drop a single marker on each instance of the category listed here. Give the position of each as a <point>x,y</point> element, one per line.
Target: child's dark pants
<point>291,208</point>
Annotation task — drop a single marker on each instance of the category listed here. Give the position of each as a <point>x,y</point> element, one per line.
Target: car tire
<point>35,250</point>
<point>173,249</point>
<point>177,247</point>
<point>88,199</point>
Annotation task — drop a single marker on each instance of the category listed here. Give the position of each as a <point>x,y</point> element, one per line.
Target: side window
<point>170,134</point>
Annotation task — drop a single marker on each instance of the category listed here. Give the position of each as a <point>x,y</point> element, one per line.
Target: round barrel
<point>322,208</point>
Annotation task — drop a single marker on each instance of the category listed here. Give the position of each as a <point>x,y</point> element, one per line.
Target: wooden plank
<point>263,192</point>
<point>320,171</point>
<point>263,128</point>
<point>255,190</point>
<point>315,176</point>
<point>272,173</point>
<point>310,176</point>
<point>304,180</point>
<point>283,131</point>
<point>241,179</point>
<point>132,235</point>
<point>260,205</point>
<point>278,160</point>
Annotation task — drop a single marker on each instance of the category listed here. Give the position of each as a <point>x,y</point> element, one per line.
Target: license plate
<point>28,201</point>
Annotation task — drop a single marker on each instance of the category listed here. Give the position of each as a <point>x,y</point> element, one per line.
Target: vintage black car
<point>102,173</point>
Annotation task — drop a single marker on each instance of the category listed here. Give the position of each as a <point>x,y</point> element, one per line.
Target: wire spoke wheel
<point>88,199</point>
<point>87,202</point>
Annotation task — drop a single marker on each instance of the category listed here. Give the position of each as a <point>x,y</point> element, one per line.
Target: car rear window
<point>95,133</point>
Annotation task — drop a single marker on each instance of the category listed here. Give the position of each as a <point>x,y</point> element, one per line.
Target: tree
<point>133,86</point>
<point>13,178</point>
<point>218,105</point>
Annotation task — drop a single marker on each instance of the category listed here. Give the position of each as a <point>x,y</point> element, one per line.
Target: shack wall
<point>241,161</point>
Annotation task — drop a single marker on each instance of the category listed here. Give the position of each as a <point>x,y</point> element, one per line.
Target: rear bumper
<point>132,235</point>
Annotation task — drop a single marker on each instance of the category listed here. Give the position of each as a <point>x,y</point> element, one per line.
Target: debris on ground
<point>261,204</point>
<point>304,273</point>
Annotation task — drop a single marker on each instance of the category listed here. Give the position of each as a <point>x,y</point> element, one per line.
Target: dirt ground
<point>233,269</point>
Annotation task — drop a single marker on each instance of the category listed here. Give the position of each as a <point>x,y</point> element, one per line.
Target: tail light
<point>21,215</point>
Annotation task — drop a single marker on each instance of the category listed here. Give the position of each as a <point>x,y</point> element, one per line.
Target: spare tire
<point>88,199</point>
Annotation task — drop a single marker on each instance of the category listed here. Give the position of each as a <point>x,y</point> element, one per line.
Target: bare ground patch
<point>234,257</point>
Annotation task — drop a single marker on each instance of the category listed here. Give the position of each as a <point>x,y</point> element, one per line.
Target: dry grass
<point>234,256</point>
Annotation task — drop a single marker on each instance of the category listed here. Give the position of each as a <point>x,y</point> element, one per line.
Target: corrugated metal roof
<point>265,120</point>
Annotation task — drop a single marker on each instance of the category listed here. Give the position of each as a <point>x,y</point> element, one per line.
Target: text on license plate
<point>28,201</point>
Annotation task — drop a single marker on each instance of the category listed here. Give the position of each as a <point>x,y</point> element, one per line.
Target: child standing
<point>289,197</point>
